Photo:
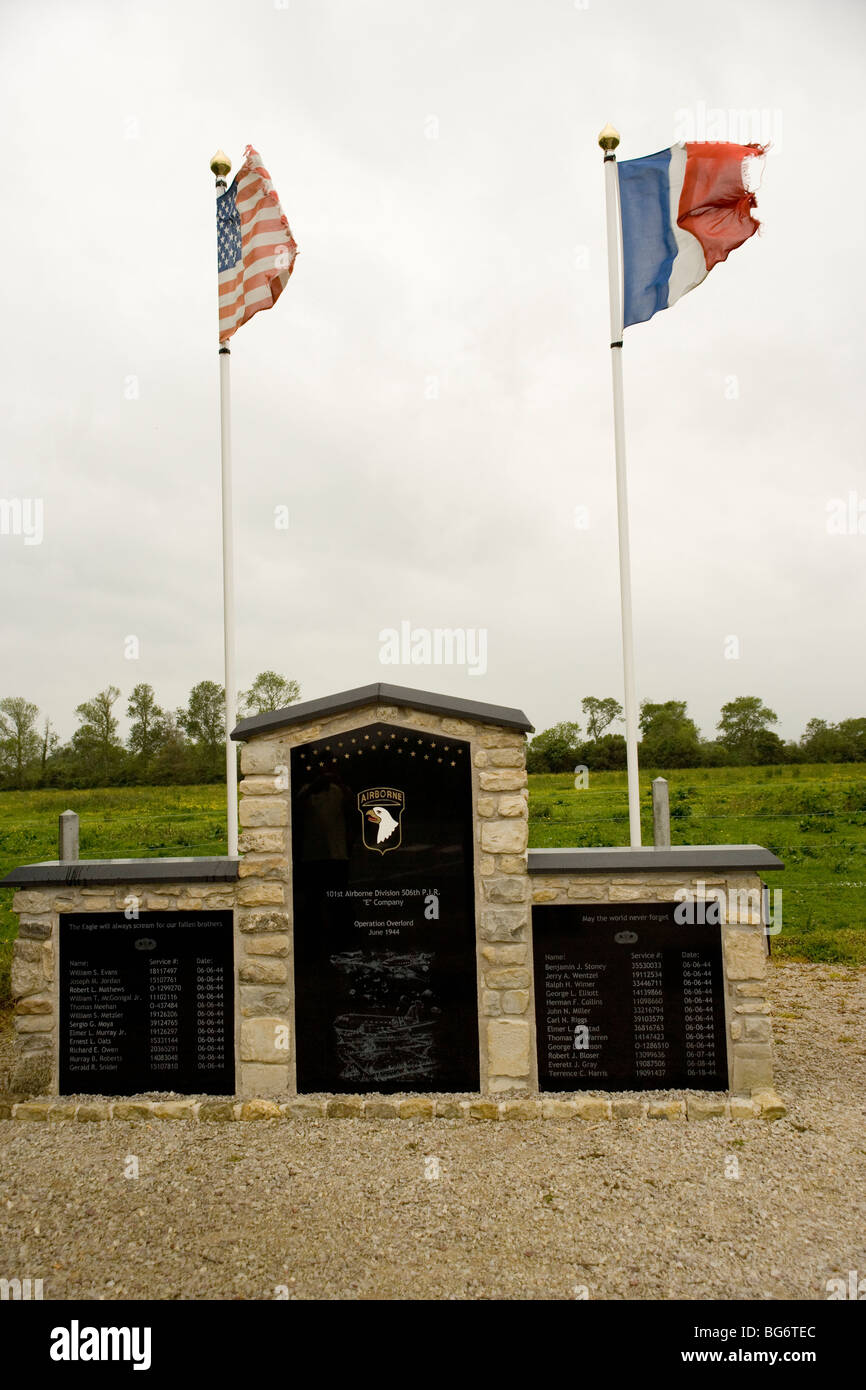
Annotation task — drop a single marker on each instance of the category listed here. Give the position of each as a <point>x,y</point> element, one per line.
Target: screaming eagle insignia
<point>381,809</point>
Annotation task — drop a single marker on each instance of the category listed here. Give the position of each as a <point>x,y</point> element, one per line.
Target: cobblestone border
<point>765,1105</point>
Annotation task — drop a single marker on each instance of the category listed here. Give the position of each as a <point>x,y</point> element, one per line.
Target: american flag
<point>255,247</point>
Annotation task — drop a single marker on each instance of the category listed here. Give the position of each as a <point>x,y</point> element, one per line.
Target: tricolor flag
<point>255,247</point>
<point>683,211</point>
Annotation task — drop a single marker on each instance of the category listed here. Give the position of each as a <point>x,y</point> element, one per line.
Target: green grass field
<point>813,817</point>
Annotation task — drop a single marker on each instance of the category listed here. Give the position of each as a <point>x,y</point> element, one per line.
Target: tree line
<point>187,745</point>
<point>670,739</point>
<point>163,746</point>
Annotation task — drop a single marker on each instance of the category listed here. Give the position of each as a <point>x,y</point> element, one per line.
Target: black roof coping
<point>624,859</point>
<point>381,694</point>
<point>82,871</point>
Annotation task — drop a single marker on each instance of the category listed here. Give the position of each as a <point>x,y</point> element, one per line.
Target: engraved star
<point>366,736</point>
<point>426,757</point>
<point>453,764</point>
<point>412,754</point>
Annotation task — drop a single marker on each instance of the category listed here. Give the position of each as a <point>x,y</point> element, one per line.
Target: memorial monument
<point>384,930</point>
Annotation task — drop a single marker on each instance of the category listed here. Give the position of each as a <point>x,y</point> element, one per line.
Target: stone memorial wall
<point>385,931</point>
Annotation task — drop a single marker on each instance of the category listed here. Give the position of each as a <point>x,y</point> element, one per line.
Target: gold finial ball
<point>220,164</point>
<point>608,138</point>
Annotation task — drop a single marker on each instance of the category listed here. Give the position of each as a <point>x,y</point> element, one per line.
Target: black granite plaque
<point>146,1004</point>
<point>384,917</point>
<point>627,999</point>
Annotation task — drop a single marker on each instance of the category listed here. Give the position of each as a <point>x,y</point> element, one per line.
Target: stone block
<point>509,978</point>
<point>260,894</point>
<point>501,780</point>
<point>756,1028</point>
<point>264,1079</point>
<point>742,1108</point>
<point>31,1074</point>
<point>264,810</point>
<point>345,1108</point>
<point>501,738</point>
<point>93,1111</point>
<point>34,1023</point>
<point>503,836</point>
<point>36,1004</point>
<point>666,1110</point>
<point>636,892</point>
<point>260,784</point>
<point>305,1108</point>
<point>491,1004</point>
<point>504,955</point>
<point>62,1110</point>
<point>415,1108</point>
<point>264,841</point>
<point>32,1110</point>
<point>27,977</point>
<point>263,866</point>
<point>445,1109</point>
<point>132,1110</point>
<point>752,1070</point>
<point>507,890</point>
<point>553,1109</point>
<point>507,757</point>
<point>511,863</point>
<point>34,929</point>
<point>770,1105</point>
<point>627,1108</point>
<point>503,924</point>
<point>705,1107</point>
<point>261,1040</point>
<point>592,1108</point>
<point>483,1110</point>
<point>380,1110</point>
<point>545,895</point>
<point>520,1110</point>
<point>174,1109</point>
<point>508,1047</point>
<point>486,806</point>
<point>744,954</point>
<point>262,755</point>
<point>260,1109</point>
<point>263,971</point>
<point>515,1001</point>
<point>267,945</point>
<point>264,922</point>
<point>258,1001</point>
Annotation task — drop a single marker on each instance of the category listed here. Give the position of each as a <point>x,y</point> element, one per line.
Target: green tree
<point>148,721</point>
<point>19,741</point>
<point>670,737</point>
<point>269,691</point>
<point>742,721</point>
<point>600,714</point>
<point>204,720</point>
<point>96,741</point>
<point>555,750</point>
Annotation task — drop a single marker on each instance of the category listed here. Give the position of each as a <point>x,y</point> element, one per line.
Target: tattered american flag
<point>255,247</point>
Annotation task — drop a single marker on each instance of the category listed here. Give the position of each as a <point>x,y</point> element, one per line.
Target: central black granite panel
<point>384,912</point>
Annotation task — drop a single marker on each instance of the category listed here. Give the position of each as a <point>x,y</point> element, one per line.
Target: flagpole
<point>220,166</point>
<point>608,140</point>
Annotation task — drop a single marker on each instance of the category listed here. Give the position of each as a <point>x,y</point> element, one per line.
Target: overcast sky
<point>430,399</point>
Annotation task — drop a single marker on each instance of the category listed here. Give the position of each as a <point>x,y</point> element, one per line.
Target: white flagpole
<point>608,140</point>
<point>220,166</point>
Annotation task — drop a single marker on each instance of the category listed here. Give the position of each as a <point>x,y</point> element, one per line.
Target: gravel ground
<point>344,1209</point>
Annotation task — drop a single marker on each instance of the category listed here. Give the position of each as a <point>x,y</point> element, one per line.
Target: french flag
<point>683,210</point>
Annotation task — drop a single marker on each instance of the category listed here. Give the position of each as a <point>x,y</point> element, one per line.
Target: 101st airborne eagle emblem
<point>381,809</point>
